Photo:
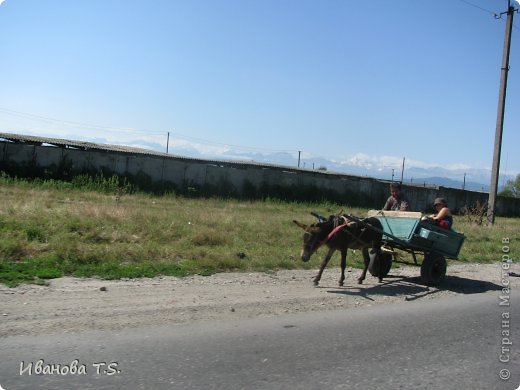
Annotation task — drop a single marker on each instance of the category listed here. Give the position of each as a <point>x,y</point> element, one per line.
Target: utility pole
<point>299,155</point>
<point>167,142</point>
<point>402,172</point>
<point>500,116</point>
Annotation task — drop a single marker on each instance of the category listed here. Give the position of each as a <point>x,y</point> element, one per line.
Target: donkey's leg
<point>343,266</point>
<point>323,265</point>
<point>366,260</point>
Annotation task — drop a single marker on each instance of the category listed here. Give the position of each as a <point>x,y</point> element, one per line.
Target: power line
<point>222,144</point>
<point>480,8</point>
<point>76,124</point>
<point>497,15</point>
<point>177,135</point>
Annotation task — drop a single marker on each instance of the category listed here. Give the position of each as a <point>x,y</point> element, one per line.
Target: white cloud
<point>199,147</point>
<point>1,2</point>
<point>459,167</point>
<point>380,162</point>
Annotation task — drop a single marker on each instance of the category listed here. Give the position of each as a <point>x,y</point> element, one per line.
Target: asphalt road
<point>453,343</point>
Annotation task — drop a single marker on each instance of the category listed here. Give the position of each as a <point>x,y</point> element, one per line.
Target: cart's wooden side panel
<point>392,213</point>
<point>421,236</point>
<point>402,228</point>
<point>443,241</point>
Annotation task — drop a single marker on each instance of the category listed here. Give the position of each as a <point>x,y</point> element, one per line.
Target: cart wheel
<point>375,258</point>
<point>433,268</point>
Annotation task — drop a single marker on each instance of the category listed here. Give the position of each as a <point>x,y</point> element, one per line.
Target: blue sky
<point>353,81</point>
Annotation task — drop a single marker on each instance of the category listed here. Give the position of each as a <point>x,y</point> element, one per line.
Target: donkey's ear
<point>302,225</point>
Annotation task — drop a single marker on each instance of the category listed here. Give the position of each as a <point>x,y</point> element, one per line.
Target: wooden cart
<point>407,232</point>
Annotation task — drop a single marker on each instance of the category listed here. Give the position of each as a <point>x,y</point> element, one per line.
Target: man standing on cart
<point>397,200</point>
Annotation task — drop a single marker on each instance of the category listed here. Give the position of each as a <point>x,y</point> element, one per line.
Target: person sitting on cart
<point>397,200</point>
<point>443,218</point>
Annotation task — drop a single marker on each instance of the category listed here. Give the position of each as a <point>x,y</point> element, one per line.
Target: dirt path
<point>72,305</point>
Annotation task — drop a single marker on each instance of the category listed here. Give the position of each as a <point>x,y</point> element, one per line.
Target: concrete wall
<point>234,178</point>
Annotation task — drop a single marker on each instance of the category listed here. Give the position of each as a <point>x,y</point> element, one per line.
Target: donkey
<point>341,233</point>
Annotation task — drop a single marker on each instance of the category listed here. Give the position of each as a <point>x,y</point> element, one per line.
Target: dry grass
<point>52,232</point>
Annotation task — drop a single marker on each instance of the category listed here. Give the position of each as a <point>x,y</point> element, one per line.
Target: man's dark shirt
<point>401,203</point>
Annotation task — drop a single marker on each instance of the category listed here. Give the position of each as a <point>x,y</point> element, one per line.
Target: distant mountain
<point>447,182</point>
<point>476,179</point>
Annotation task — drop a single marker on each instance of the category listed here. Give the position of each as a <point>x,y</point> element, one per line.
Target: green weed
<point>91,228</point>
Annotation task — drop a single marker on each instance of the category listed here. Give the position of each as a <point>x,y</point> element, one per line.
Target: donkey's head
<point>313,237</point>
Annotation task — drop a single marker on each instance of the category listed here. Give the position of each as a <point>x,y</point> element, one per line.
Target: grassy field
<point>51,229</point>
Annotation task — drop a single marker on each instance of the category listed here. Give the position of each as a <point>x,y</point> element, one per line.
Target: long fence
<point>36,156</point>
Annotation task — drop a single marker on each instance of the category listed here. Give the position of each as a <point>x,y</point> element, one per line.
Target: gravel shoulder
<point>75,305</point>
